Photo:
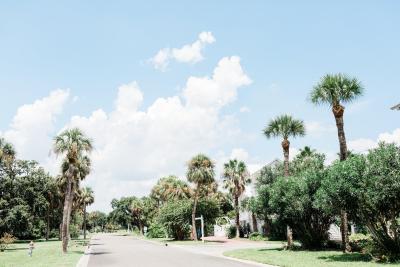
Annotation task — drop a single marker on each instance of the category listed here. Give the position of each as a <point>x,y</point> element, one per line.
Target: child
<point>31,247</point>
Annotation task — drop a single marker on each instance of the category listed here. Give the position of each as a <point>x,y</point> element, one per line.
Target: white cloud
<point>315,128</point>
<point>220,89</point>
<point>190,53</point>
<point>135,147</point>
<point>32,128</point>
<point>362,145</point>
<point>244,109</point>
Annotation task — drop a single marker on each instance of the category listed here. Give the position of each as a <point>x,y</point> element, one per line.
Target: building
<point>246,218</point>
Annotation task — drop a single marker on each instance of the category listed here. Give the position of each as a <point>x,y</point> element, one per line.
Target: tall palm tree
<point>235,178</point>
<point>86,198</point>
<point>73,144</point>
<point>285,126</point>
<point>335,90</point>
<point>200,172</point>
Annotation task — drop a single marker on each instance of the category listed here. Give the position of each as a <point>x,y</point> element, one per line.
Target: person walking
<point>31,247</point>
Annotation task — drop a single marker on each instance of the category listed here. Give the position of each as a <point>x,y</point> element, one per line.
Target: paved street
<point>125,251</point>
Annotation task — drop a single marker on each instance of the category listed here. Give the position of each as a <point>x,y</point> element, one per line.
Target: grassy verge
<point>286,258</point>
<point>45,254</point>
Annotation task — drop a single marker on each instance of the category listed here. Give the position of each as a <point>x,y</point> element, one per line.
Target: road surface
<point>125,251</point>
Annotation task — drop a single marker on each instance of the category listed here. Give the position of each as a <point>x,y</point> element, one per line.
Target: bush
<point>175,217</point>
<point>74,230</point>
<point>359,242</point>
<point>276,230</point>
<point>231,231</point>
<point>6,240</point>
<point>156,230</point>
<point>256,236</point>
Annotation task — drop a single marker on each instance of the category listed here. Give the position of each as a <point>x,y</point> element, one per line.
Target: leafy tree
<point>73,144</point>
<point>97,219</point>
<point>176,215</point>
<point>200,172</point>
<point>336,90</point>
<point>293,200</point>
<point>121,212</point>
<point>170,188</point>
<point>235,179</point>
<point>285,126</point>
<point>368,186</point>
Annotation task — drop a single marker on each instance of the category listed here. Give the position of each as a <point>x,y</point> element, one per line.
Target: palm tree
<point>73,144</point>
<point>235,178</point>
<point>7,152</point>
<point>86,198</point>
<point>170,188</point>
<point>335,90</point>
<point>285,126</point>
<point>200,172</point>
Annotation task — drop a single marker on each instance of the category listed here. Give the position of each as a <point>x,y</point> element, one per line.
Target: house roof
<point>396,107</point>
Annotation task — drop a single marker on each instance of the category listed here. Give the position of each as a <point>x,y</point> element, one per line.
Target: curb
<point>84,260</point>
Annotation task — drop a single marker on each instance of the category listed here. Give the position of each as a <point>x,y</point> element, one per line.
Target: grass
<point>45,254</point>
<point>286,258</point>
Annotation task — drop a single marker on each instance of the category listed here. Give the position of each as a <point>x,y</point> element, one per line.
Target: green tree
<point>336,90</point>
<point>86,197</point>
<point>200,172</point>
<point>368,186</point>
<point>293,200</point>
<point>170,188</point>
<point>285,126</point>
<point>73,144</point>
<point>235,179</point>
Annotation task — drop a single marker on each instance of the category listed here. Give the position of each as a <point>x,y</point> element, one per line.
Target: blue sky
<point>94,47</point>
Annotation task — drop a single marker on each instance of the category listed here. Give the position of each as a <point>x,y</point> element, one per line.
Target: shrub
<point>156,230</point>
<point>293,200</point>
<point>6,240</point>
<point>74,230</point>
<point>231,231</point>
<point>256,236</point>
<point>359,242</point>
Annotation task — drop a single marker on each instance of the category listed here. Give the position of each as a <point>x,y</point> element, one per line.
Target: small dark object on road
<point>166,244</point>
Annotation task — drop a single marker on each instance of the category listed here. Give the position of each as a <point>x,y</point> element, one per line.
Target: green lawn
<point>46,254</point>
<point>286,258</point>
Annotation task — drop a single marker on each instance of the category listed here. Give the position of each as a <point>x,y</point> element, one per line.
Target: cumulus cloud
<point>189,53</point>
<point>362,145</point>
<point>244,109</point>
<point>135,147</point>
<point>32,128</point>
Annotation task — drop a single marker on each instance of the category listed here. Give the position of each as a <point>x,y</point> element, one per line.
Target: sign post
<point>201,218</point>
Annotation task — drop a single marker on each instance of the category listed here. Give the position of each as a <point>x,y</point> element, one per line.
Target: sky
<point>153,83</point>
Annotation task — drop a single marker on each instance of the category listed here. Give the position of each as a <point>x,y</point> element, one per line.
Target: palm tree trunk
<point>254,219</point>
<point>70,209</point>
<point>84,221</point>
<point>194,234</point>
<point>48,224</point>
<point>65,221</point>
<point>338,112</point>
<point>237,222</point>
<point>285,146</point>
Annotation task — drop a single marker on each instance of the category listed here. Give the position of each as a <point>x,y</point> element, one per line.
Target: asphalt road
<point>124,251</point>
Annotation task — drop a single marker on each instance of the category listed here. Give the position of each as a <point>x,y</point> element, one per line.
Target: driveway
<point>125,251</point>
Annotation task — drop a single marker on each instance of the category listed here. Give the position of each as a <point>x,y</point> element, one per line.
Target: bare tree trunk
<point>254,219</point>
<point>84,221</point>
<point>72,195</point>
<point>237,221</point>
<point>194,233</point>
<point>285,146</point>
<point>338,112</point>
